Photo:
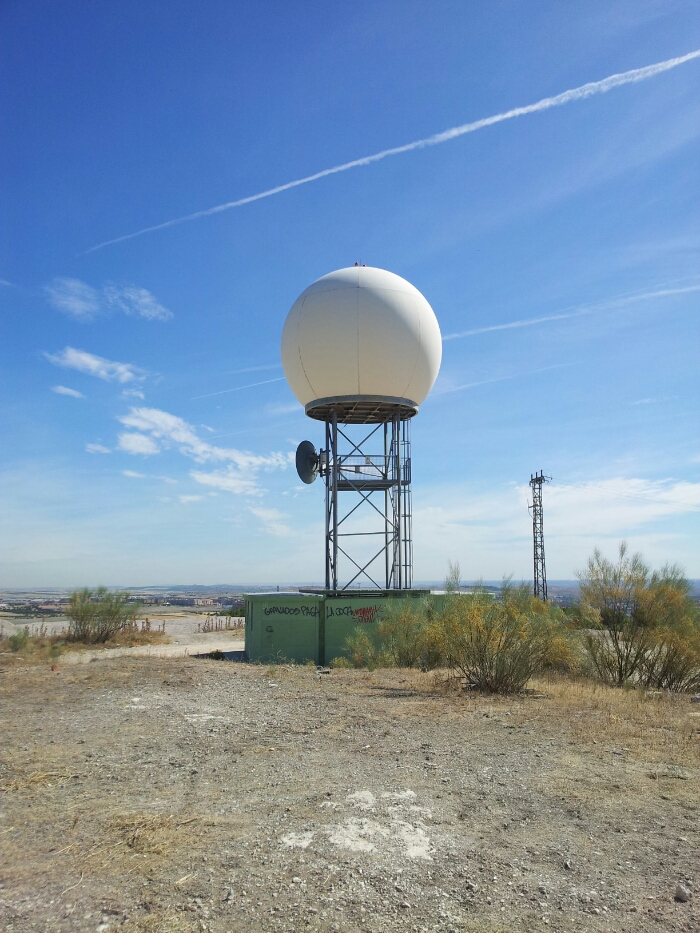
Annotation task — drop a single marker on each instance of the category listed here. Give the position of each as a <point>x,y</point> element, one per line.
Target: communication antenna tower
<point>540,573</point>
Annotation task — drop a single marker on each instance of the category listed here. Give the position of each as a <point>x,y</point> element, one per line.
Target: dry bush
<point>98,616</point>
<point>497,645</point>
<point>645,628</point>
<point>361,649</point>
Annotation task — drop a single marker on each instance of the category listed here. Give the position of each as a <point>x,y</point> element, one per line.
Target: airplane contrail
<point>238,388</point>
<point>610,304</point>
<point>578,93</point>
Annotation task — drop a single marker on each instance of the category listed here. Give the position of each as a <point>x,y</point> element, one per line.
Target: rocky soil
<point>195,795</point>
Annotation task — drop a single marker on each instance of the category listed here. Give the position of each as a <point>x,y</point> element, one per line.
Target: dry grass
<point>658,727</point>
<point>132,829</point>
<point>148,834</point>
<point>45,649</point>
<point>35,779</point>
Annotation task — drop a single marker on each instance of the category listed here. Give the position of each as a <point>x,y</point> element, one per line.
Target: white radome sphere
<point>361,332</point>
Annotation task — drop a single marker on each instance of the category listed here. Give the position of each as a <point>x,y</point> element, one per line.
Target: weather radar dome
<point>363,343</point>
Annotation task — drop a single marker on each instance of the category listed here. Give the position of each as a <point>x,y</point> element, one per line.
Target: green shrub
<point>645,627</point>
<point>401,633</point>
<point>18,640</point>
<point>361,649</point>
<point>499,644</point>
<point>96,617</point>
<point>672,661</point>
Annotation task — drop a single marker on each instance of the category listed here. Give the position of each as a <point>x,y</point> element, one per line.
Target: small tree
<point>81,614</point>
<point>95,617</point>
<point>401,632</point>
<point>647,625</point>
<point>672,661</point>
<point>498,645</point>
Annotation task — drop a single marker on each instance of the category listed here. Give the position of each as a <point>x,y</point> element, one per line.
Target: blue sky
<point>120,462</point>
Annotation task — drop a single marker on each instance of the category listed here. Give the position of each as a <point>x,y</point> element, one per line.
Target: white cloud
<point>610,305</point>
<point>167,479</point>
<point>74,298</point>
<point>64,390</point>
<point>273,521</point>
<point>97,449</point>
<point>133,475</point>
<point>185,499</point>
<point>131,299</point>
<point>138,444</point>
<point>170,428</point>
<point>230,479</point>
<point>133,393</point>
<point>491,533</point>
<point>7,284</point>
<point>98,366</point>
<point>240,476</point>
<point>83,303</point>
<point>613,506</point>
<point>294,407</point>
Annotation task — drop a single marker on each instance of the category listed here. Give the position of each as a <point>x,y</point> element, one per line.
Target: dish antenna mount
<point>307,462</point>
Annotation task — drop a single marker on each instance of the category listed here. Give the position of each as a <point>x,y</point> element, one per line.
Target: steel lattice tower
<point>540,573</point>
<point>379,463</point>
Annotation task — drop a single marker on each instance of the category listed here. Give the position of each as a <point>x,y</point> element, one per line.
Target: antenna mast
<point>540,572</point>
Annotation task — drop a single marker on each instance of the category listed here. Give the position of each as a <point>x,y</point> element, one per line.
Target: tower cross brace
<point>376,472</point>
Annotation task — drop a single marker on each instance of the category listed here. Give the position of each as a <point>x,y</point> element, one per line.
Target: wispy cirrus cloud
<point>611,304</point>
<point>132,474</point>
<point>84,303</point>
<point>135,301</point>
<point>292,407</point>
<point>153,430</point>
<point>138,444</point>
<point>506,378</point>
<point>273,521</point>
<point>250,385</point>
<point>575,94</point>
<point>64,390</point>
<point>230,479</point>
<point>97,449</point>
<point>74,298</point>
<point>186,499</point>
<point>252,369</point>
<point>98,366</point>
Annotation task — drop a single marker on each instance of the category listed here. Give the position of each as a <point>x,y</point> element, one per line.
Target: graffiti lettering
<point>339,611</point>
<point>366,614</point>
<point>290,610</point>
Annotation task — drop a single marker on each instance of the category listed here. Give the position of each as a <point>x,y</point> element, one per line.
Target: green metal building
<point>312,625</point>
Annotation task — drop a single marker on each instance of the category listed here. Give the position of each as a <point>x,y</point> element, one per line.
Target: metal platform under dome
<point>361,409</point>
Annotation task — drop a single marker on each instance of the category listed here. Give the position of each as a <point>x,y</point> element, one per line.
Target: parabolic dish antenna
<point>307,462</point>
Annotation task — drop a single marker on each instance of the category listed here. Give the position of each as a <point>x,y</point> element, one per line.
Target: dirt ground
<point>178,794</point>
